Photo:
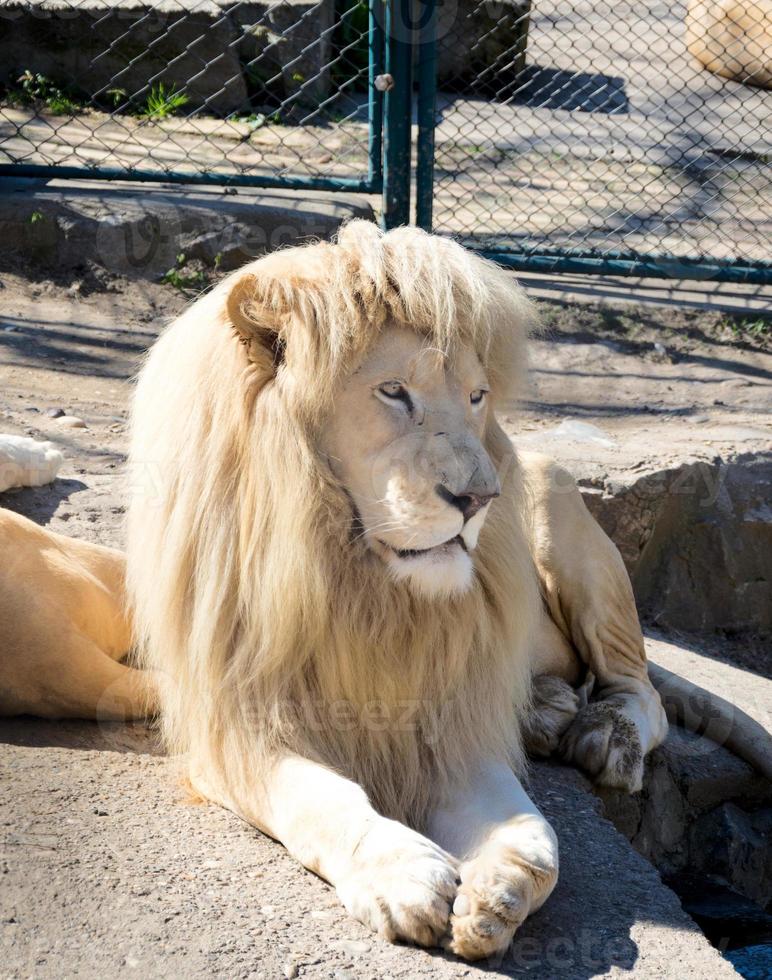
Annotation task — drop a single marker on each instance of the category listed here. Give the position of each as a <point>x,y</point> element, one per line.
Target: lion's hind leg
<point>107,689</point>
<point>607,744</point>
<point>69,676</point>
<point>554,705</point>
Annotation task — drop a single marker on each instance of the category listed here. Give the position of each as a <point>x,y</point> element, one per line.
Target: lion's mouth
<point>438,549</point>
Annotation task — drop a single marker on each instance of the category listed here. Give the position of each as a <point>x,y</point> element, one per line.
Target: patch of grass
<point>183,278</point>
<point>39,91</point>
<point>256,120</point>
<point>163,101</point>
<point>35,217</point>
<point>749,330</point>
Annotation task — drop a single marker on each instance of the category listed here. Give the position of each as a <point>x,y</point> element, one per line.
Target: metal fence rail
<point>583,135</point>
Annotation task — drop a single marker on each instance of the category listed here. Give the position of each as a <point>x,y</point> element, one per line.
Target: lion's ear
<point>258,316</point>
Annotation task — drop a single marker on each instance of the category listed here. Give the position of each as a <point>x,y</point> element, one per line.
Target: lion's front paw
<point>554,705</point>
<point>402,885</point>
<point>510,878</point>
<point>606,744</point>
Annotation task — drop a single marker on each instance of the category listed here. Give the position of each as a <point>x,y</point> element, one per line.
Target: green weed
<point>163,101</point>
<point>757,331</point>
<point>117,96</point>
<point>38,90</point>
<point>183,279</point>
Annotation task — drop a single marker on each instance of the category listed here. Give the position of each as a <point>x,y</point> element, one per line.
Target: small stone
<point>54,413</point>
<point>268,910</point>
<point>290,970</point>
<point>354,947</point>
<point>71,421</point>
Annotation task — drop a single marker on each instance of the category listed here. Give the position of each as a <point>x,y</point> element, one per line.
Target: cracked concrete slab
<point>107,869</point>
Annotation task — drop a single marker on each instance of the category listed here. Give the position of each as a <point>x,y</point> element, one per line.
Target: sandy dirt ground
<point>107,869</point>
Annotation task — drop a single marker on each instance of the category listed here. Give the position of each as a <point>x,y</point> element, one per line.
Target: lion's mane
<point>272,624</point>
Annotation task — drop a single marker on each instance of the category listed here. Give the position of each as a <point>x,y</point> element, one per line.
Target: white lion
<point>344,575</point>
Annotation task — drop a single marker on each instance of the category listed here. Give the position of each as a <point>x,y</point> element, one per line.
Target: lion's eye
<point>395,391</point>
<point>477,396</point>
<point>392,389</point>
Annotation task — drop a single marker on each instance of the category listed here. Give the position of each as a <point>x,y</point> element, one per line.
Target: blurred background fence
<point>582,135</point>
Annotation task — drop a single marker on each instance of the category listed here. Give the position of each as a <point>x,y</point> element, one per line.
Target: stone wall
<point>703,810</point>
<point>222,57</point>
<point>697,541</point>
<point>232,57</point>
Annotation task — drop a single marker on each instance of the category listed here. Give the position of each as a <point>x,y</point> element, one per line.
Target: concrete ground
<point>107,870</point>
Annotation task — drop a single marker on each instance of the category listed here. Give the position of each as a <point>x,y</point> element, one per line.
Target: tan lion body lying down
<point>345,578</point>
<point>64,628</point>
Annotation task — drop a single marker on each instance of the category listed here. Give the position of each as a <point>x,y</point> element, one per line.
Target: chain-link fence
<point>606,135</point>
<point>275,93</point>
<point>607,131</point>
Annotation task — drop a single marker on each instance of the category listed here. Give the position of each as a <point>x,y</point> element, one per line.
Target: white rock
<point>72,422</point>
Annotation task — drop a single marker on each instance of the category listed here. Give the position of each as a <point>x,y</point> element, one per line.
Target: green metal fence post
<point>375,101</point>
<point>427,100</point>
<point>398,111</point>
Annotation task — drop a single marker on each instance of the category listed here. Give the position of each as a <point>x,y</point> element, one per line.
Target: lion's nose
<point>468,503</point>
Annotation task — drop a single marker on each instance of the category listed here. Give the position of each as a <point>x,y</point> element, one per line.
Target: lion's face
<point>405,439</point>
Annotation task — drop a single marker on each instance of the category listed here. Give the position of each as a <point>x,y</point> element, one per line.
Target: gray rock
<point>701,809</point>
<point>609,913</point>
<point>286,48</point>
<point>697,541</point>
<point>139,231</point>
<point>737,846</point>
<point>726,917</point>
<point>752,962</point>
